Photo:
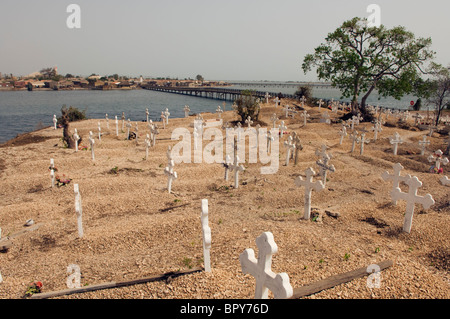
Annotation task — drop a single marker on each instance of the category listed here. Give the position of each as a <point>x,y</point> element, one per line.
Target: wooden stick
<point>113,284</point>
<point>335,280</point>
<point>5,243</point>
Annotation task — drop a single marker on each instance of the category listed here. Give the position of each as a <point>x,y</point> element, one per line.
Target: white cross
<point>343,133</point>
<point>417,117</point>
<point>55,120</point>
<point>324,168</point>
<point>148,143</point>
<point>107,121</point>
<point>305,115</point>
<point>206,230</point>
<point>137,133</point>
<point>277,100</point>
<point>423,143</point>
<point>309,187</point>
<point>395,177</point>
<point>274,119</point>
<point>376,128</point>
<point>155,132</point>
<point>438,159</point>
<point>123,120</point>
<point>298,146</point>
<point>171,175</point>
<point>326,118</point>
<point>363,141</point>
<point>163,119</point>
<point>290,146</point>
<point>187,109</point>
<point>147,114</point>
<point>395,141</point>
<point>128,129</point>
<point>99,132</point>
<point>303,100</point>
<point>167,114</point>
<point>78,210</point>
<point>249,121</point>
<point>431,128</point>
<point>261,269</point>
<point>411,199</point>
<point>117,127</point>
<point>322,152</point>
<point>286,110</point>
<point>235,166</point>
<point>52,171</point>
<point>282,127</point>
<point>76,137</point>
<point>354,138</point>
<point>267,96</point>
<point>270,138</point>
<point>219,112</point>
<point>320,102</point>
<point>92,142</point>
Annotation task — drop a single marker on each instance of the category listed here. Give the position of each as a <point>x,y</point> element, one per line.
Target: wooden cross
<point>324,168</point>
<point>274,119</point>
<point>395,177</point>
<point>423,143</point>
<point>235,166</point>
<point>411,199</point>
<point>395,141</point>
<point>92,142</point>
<point>438,159</point>
<point>261,269</point>
<point>282,127</point>
<point>78,210</point>
<point>187,109</point>
<point>249,121</point>
<point>290,147</point>
<point>309,187</point>
<point>305,115</point>
<point>76,138</point>
<point>362,140</point>
<point>206,230</point>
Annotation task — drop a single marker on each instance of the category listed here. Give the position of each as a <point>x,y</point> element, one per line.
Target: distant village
<point>49,79</point>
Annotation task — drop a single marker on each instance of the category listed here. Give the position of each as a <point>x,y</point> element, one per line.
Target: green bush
<point>72,114</point>
<point>247,105</point>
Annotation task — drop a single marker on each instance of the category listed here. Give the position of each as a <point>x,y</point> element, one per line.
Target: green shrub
<point>72,114</point>
<point>247,105</point>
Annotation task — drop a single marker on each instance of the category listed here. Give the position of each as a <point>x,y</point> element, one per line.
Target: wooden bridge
<point>283,84</point>
<point>225,94</point>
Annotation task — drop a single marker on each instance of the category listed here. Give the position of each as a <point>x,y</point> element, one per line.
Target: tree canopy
<point>357,59</point>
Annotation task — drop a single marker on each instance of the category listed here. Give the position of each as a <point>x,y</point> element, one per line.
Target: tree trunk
<point>67,137</point>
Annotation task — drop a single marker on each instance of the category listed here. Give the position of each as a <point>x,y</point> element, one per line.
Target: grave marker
<point>274,119</point>
<point>411,199</point>
<point>128,129</point>
<point>438,159</point>
<point>354,138</point>
<point>235,166</point>
<point>320,103</point>
<point>343,133</point>
<point>206,230</point>
<point>171,175</point>
<point>395,141</point>
<point>52,171</point>
<point>267,96</point>
<point>107,121</point>
<point>187,109</point>
<point>362,140</point>
<point>282,127</point>
<point>76,138</point>
<point>423,143</point>
<point>78,210</point>
<point>148,143</point>
<point>290,147</point>
<point>261,269</point>
<point>163,120</point>
<point>92,142</point>
<point>309,187</point>
<point>395,177</point>
<point>117,127</point>
<point>99,132</point>
<point>324,168</point>
<point>445,181</point>
<point>249,122</point>
<point>227,164</point>
<point>376,129</point>
<point>55,120</point>
<point>123,120</point>
<point>305,116</point>
<point>147,114</point>
<point>167,114</point>
<point>219,112</point>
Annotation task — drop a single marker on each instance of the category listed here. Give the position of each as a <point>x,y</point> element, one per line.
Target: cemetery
<point>133,224</point>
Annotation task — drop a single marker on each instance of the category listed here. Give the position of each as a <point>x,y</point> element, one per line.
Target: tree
<point>247,105</point>
<point>358,59</point>
<point>199,78</point>
<point>439,95</point>
<point>48,73</point>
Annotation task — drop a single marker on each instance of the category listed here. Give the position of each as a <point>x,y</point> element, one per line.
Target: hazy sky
<point>221,40</point>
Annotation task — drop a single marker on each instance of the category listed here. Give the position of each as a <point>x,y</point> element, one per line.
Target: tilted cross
<point>411,199</point>
<point>260,268</point>
<point>354,138</point>
<point>324,168</point>
<point>309,187</point>
<point>322,152</point>
<point>395,177</point>
<point>438,159</point>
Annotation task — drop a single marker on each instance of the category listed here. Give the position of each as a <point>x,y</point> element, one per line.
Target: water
<point>23,111</point>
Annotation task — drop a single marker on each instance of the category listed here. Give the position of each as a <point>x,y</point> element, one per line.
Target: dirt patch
<point>25,139</point>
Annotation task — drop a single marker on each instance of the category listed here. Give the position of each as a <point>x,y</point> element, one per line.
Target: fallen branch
<point>5,243</point>
<point>335,280</point>
<point>113,284</point>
